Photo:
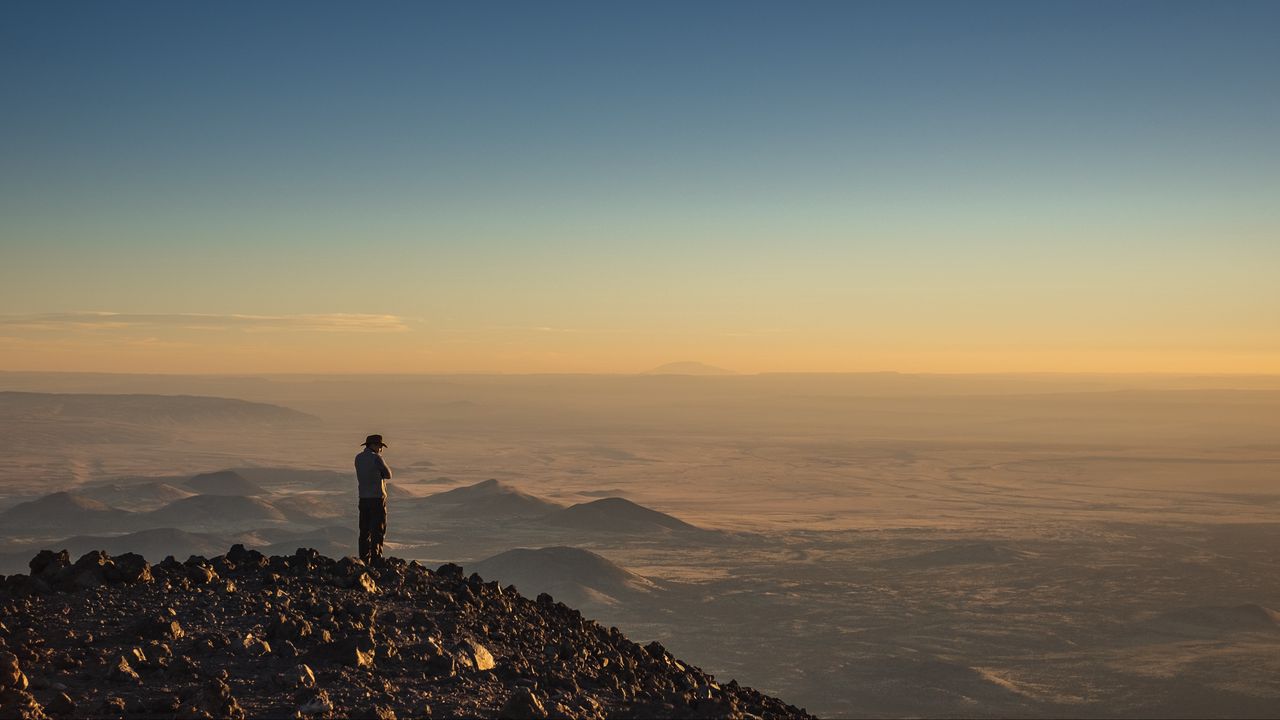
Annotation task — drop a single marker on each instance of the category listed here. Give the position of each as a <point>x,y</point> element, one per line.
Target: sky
<point>516,187</point>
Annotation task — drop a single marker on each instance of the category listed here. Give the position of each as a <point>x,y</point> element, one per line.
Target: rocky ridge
<point>305,636</point>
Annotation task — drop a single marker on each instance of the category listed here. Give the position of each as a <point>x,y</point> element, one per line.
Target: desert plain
<point>871,545</point>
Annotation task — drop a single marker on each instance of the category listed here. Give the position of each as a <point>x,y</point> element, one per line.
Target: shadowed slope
<point>223,482</point>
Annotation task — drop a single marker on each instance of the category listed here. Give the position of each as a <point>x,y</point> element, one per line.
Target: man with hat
<point>372,475</point>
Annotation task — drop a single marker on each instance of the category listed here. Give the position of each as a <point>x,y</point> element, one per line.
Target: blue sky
<point>862,177</point>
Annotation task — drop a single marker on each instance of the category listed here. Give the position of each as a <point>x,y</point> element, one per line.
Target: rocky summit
<point>243,635</point>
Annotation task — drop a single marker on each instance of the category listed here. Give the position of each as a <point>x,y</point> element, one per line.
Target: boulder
<point>523,704</point>
<point>130,568</point>
<point>316,705</point>
<point>161,627</point>
<point>121,671</point>
<point>472,653</point>
<point>215,698</point>
<point>49,562</point>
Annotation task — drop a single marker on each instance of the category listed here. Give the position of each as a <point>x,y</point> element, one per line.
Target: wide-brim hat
<point>374,440</point>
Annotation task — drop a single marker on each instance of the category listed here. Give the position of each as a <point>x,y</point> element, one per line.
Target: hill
<point>220,511</point>
<point>618,515</point>
<point>223,482</point>
<point>489,499</point>
<point>572,574</point>
<point>246,635</point>
<point>61,510</point>
<point>135,496</point>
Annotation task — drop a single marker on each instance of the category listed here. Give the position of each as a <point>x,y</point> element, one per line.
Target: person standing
<point>372,475</point>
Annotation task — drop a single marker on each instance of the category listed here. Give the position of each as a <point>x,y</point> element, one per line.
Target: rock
<point>474,654</point>
<point>159,654</point>
<point>316,705</point>
<point>450,571</point>
<point>130,568</point>
<point>428,649</point>
<point>136,657</point>
<point>49,562</point>
<point>421,637</point>
<point>201,574</point>
<point>442,666</point>
<point>62,706</point>
<point>375,712</point>
<point>287,628</point>
<point>349,566</point>
<point>90,570</point>
<point>523,705</point>
<point>122,671</point>
<point>11,673</point>
<point>304,676</point>
<point>215,698</point>
<point>255,646</point>
<point>92,559</point>
<point>364,583</point>
<point>161,627</point>
<point>21,705</point>
<point>357,652</point>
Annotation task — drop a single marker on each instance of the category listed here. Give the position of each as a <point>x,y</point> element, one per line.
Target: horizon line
<point>649,373</point>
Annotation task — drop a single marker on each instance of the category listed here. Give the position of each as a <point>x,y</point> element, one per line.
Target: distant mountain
<point>61,510</point>
<point>689,368</point>
<point>221,511</point>
<point>572,575</point>
<point>137,496</point>
<point>224,482</point>
<point>162,410</point>
<point>618,515</point>
<point>486,499</point>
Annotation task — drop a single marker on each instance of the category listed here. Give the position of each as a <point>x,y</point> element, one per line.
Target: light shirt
<point>372,474</point>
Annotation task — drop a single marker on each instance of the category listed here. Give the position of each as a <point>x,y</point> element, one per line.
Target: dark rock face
<point>15,700</point>
<point>244,635</point>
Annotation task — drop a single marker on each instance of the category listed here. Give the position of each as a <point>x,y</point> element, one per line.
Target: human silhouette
<point>372,475</point>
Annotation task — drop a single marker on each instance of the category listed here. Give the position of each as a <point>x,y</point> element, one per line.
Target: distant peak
<point>689,367</point>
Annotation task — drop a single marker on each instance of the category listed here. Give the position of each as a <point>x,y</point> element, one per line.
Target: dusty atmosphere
<point>857,545</point>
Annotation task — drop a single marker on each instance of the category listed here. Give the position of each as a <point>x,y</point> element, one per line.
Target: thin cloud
<point>106,321</point>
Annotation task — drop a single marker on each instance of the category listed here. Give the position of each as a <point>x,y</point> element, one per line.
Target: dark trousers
<point>373,527</point>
